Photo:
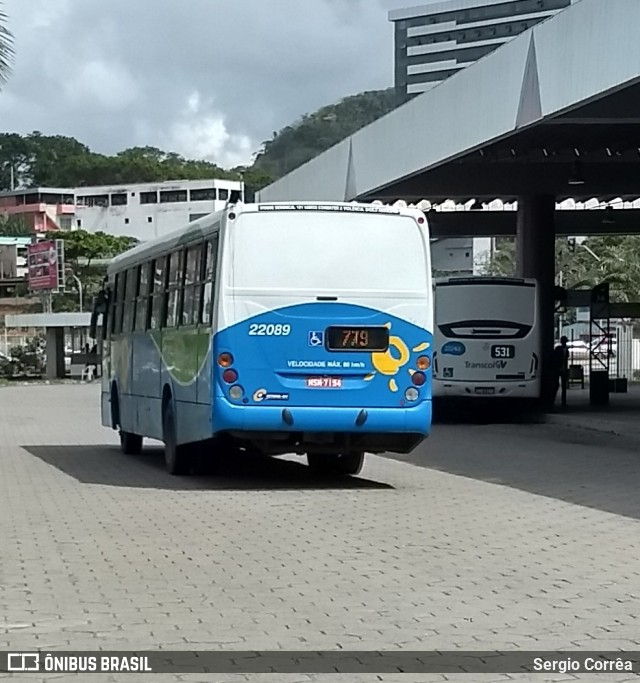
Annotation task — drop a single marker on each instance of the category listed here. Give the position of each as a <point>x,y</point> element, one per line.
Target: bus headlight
<point>411,394</point>
<point>236,392</point>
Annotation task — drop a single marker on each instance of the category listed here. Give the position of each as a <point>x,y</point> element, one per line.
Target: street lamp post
<point>77,279</point>
<point>561,313</point>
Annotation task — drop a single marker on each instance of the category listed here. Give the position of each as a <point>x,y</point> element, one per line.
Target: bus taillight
<point>418,378</point>
<point>229,376</point>
<point>423,363</point>
<point>225,360</point>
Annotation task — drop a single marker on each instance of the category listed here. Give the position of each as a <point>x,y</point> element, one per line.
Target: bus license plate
<point>324,382</point>
<point>503,351</point>
<point>487,391</point>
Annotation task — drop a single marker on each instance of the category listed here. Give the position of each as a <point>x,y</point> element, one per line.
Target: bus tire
<point>130,444</point>
<point>176,457</point>
<point>336,463</point>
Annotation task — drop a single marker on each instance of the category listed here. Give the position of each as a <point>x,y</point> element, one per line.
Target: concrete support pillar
<point>535,258</point>
<point>55,352</point>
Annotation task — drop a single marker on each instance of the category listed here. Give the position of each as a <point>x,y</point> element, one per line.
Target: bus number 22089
<point>269,330</point>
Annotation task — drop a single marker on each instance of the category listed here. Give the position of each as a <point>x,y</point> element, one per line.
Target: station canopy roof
<point>554,111</point>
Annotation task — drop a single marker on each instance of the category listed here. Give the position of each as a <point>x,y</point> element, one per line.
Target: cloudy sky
<point>205,78</point>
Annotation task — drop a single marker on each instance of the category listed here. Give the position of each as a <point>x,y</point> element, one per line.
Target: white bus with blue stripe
<point>487,338</point>
<point>285,328</point>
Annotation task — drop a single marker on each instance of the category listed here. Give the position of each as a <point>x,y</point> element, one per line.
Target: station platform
<point>620,417</point>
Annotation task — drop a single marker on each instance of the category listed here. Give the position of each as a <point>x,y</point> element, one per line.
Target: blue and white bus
<point>280,328</point>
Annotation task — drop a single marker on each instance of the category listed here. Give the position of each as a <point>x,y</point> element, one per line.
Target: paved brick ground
<point>497,537</point>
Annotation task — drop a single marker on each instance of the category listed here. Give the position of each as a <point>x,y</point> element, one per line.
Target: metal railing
<point>624,358</point>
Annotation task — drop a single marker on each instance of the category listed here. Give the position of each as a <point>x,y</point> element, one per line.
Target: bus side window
<point>192,282</point>
<point>119,303</point>
<point>208,287</point>
<point>100,314</point>
<point>142,307</point>
<point>130,299</point>
<point>115,308</point>
<point>158,287</point>
<point>108,313</point>
<point>174,287</point>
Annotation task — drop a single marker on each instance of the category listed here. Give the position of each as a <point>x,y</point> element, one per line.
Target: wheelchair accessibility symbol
<point>316,338</point>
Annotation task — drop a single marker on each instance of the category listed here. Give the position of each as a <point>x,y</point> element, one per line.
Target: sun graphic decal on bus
<point>394,358</point>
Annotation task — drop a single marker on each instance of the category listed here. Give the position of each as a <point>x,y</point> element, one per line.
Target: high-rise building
<point>435,41</point>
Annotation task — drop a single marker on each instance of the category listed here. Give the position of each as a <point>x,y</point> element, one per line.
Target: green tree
<point>37,160</point>
<point>81,250</point>
<point>15,161</point>
<point>28,359</point>
<point>502,258</point>
<point>314,133</point>
<point>82,247</point>
<point>6,47</point>
<point>13,226</point>
<point>254,179</point>
<point>150,164</point>
<point>613,259</point>
<point>58,161</point>
<point>50,156</point>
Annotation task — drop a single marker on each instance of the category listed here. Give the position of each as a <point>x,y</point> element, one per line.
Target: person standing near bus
<point>561,371</point>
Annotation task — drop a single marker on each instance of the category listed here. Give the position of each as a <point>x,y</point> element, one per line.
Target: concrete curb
<point>44,382</point>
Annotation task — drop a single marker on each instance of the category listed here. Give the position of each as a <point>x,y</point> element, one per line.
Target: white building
<point>148,210</point>
<point>453,256</point>
<point>13,257</point>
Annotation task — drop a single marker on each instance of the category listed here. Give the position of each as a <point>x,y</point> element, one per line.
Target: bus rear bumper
<point>489,390</point>
<point>373,429</point>
<point>287,418</point>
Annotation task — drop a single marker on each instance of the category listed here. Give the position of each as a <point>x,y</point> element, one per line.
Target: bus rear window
<point>325,251</point>
<point>475,302</point>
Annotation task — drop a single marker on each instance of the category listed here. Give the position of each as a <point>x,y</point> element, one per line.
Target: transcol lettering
<point>493,365</point>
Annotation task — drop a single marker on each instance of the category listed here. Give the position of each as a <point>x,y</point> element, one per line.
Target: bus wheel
<point>130,444</point>
<point>334,463</point>
<point>176,457</point>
